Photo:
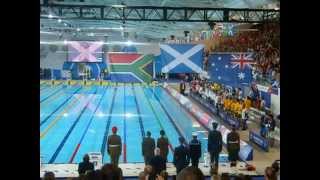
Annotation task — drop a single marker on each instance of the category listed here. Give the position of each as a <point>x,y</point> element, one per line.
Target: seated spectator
<point>276,169</point>
<point>111,172</point>
<point>190,173</point>
<point>158,163</point>
<point>247,103</point>
<point>85,165</point>
<point>269,174</point>
<point>163,176</point>
<point>49,176</point>
<point>225,176</point>
<point>93,175</point>
<point>145,174</point>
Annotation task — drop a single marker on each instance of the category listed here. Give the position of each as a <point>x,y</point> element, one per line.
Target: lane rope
<point>54,156</point>
<point>87,127</point>
<point>105,136</point>
<point>157,118</point>
<point>48,117</point>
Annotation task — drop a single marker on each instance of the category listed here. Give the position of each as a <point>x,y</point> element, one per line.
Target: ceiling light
<point>59,20</point>
<point>128,115</point>
<point>101,114</point>
<point>129,43</point>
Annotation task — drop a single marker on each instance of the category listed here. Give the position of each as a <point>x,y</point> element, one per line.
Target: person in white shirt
<point>262,104</point>
<point>244,119</point>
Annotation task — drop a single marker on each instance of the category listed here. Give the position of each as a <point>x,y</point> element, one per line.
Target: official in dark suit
<point>214,145</point>
<point>85,165</point>
<point>233,146</point>
<point>158,163</point>
<point>181,156</point>
<point>182,87</point>
<point>148,146</point>
<point>195,150</point>
<point>163,144</point>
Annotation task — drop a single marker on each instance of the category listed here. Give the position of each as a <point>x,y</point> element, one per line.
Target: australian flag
<point>233,69</point>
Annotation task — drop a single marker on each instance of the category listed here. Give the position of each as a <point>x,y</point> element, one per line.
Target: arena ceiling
<point>136,30</point>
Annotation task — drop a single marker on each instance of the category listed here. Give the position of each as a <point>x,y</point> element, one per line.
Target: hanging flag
<point>130,67</point>
<point>181,58</point>
<point>233,69</point>
<point>84,51</point>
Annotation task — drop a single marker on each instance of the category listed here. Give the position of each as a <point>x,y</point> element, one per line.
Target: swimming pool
<point>75,120</point>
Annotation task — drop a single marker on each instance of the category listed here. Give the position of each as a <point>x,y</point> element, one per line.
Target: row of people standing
<point>190,151</point>
<point>182,153</point>
<point>156,154</point>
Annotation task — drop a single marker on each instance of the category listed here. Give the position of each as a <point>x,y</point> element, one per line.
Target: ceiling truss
<point>154,13</point>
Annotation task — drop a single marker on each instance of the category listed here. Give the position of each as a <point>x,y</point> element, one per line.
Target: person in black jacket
<point>182,87</point>
<point>233,146</point>
<point>163,144</point>
<point>85,165</point>
<point>158,163</point>
<point>195,150</point>
<point>214,145</point>
<point>148,146</point>
<point>181,156</point>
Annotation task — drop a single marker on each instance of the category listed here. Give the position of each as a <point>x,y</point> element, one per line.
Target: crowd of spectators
<point>234,102</point>
<point>265,43</point>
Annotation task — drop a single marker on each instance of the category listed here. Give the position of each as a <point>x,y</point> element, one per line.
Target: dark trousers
<point>147,160</point>
<point>214,158</point>
<point>195,162</point>
<point>179,169</point>
<point>233,155</point>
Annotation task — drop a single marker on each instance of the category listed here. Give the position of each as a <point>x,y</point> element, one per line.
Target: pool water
<point>75,120</point>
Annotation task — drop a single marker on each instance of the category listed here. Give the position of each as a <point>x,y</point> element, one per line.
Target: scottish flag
<point>181,58</point>
<point>233,69</point>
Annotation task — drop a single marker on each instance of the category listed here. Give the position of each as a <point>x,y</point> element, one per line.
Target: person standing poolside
<point>114,146</point>
<point>163,144</point>
<point>214,146</point>
<point>148,146</point>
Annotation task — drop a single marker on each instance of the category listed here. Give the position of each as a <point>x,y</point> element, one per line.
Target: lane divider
<point>52,94</point>
<point>44,87</point>
<point>46,119</point>
<point>124,127</point>
<point>157,118</point>
<point>139,112</point>
<point>53,158</point>
<point>57,118</point>
<point>49,86</point>
<point>86,129</point>
<point>52,97</point>
<point>168,115</point>
<point>105,136</point>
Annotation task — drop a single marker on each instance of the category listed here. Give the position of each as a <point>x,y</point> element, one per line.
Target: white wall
<point>153,48</point>
<point>275,103</point>
<point>53,60</point>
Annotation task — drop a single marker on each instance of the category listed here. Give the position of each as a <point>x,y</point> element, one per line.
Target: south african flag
<point>130,67</point>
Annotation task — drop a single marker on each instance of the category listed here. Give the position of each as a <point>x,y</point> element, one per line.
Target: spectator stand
<point>208,98</point>
<point>132,170</point>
